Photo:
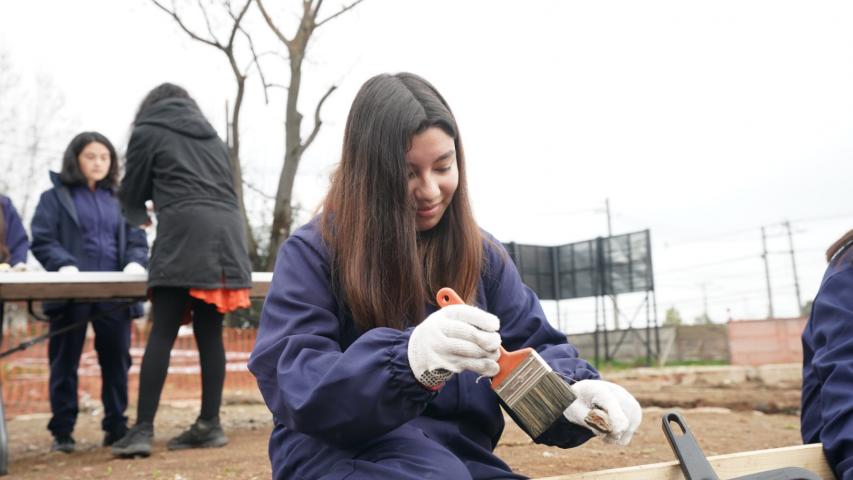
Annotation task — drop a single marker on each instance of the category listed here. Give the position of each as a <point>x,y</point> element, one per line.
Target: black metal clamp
<point>695,466</point>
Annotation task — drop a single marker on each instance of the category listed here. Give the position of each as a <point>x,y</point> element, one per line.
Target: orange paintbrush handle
<point>508,360</point>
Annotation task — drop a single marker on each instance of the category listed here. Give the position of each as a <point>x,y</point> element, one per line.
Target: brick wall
<point>24,375</point>
<point>684,343</point>
<point>759,342</point>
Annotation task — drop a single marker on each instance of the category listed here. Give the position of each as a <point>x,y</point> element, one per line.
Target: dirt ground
<point>725,419</point>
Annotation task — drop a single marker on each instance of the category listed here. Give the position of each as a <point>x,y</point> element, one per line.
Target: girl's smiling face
<point>433,175</point>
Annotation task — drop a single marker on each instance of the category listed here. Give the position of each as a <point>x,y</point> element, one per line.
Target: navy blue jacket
<point>58,241</point>
<point>16,237</point>
<point>329,385</point>
<point>827,401</point>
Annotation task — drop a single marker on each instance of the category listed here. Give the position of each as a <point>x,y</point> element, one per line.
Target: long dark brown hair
<point>839,245</point>
<point>382,267</point>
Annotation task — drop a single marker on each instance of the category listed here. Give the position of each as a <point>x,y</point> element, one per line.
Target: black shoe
<point>137,442</point>
<point>62,442</point>
<point>114,435</point>
<point>201,434</point>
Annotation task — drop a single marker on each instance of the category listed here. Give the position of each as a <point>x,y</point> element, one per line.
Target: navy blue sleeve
<point>45,229</point>
<point>342,397</point>
<point>16,236</point>
<point>136,245</point>
<point>137,184</point>
<point>831,329</point>
<point>523,324</point>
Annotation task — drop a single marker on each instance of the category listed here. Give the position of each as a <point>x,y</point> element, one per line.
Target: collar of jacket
<point>64,195</point>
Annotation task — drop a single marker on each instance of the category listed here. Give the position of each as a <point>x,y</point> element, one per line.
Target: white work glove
<point>622,408</point>
<point>20,267</point>
<point>453,339</point>
<point>68,269</point>
<point>133,267</point>
<point>4,267</point>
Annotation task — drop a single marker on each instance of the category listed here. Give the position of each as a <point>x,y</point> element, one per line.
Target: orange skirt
<point>226,300</point>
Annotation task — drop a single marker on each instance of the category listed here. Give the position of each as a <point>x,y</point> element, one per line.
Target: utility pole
<point>767,273</point>
<point>787,225</point>
<point>610,280</point>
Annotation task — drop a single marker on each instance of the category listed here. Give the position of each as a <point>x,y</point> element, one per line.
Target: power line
<point>710,264</point>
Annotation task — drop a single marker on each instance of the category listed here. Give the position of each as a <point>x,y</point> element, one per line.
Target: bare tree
<point>39,136</point>
<point>241,73</point>
<point>32,129</point>
<point>295,146</point>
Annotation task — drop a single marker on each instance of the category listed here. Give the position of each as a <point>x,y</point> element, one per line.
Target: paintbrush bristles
<point>535,395</point>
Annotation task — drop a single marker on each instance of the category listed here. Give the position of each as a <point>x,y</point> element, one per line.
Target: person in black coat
<point>78,226</point>
<point>200,265</point>
<point>13,238</point>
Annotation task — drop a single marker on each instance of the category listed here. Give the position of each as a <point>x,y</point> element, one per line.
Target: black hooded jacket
<point>176,159</point>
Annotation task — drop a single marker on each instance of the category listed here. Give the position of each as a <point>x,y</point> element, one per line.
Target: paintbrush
<point>530,391</point>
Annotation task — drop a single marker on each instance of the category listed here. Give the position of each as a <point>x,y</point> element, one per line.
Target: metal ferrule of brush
<point>525,377</point>
<point>534,395</point>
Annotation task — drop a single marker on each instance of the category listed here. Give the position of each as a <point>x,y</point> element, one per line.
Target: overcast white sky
<point>699,121</point>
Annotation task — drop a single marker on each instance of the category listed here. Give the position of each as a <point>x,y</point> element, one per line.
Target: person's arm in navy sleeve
<point>16,236</point>
<point>310,385</point>
<point>523,324</point>
<point>137,184</point>
<point>832,334</point>
<point>45,229</point>
<point>137,245</point>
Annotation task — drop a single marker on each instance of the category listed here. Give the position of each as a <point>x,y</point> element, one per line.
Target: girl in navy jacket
<point>13,238</point>
<point>365,377</point>
<point>78,226</point>
<point>827,401</point>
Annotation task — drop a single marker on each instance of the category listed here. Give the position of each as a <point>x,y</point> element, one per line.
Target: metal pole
<point>794,268</point>
<point>559,318</point>
<point>595,333</point>
<point>4,437</point>
<point>648,333</point>
<point>651,271</point>
<point>610,279</point>
<point>767,273</point>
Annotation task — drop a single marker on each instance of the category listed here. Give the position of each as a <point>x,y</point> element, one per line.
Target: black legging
<point>168,305</point>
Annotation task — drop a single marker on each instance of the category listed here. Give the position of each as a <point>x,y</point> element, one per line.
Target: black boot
<point>62,442</point>
<point>201,434</point>
<point>137,442</point>
<point>114,435</point>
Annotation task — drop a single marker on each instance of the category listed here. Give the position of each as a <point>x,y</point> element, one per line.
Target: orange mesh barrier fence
<point>24,375</point>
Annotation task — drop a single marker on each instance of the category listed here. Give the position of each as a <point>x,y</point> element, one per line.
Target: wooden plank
<point>25,286</point>
<point>731,465</point>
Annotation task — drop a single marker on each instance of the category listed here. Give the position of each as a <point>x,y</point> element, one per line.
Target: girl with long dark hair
<point>200,266</point>
<point>827,403</point>
<point>364,376</point>
<point>78,226</point>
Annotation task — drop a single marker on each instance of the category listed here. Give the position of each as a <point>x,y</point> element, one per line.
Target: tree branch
<point>257,64</point>
<point>193,35</point>
<point>317,121</point>
<point>332,17</point>
<point>206,20</point>
<point>237,20</point>
<point>278,33</point>
<point>257,190</point>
